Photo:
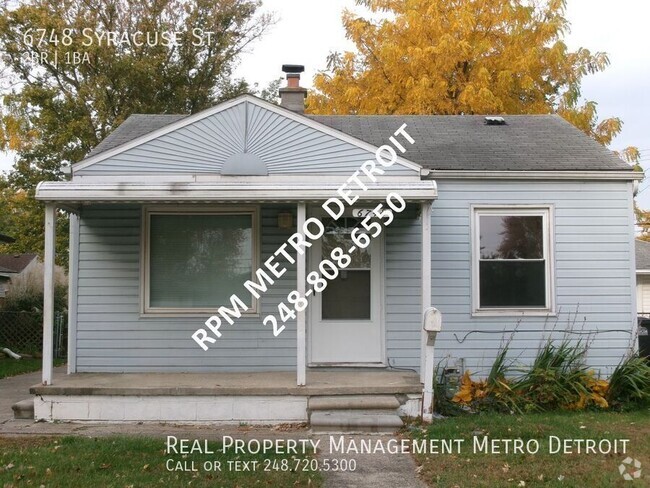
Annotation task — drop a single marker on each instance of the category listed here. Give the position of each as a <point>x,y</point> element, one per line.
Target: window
<point>512,260</point>
<point>195,260</point>
<point>347,297</point>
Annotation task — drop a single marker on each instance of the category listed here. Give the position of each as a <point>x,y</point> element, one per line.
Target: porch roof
<point>224,191</point>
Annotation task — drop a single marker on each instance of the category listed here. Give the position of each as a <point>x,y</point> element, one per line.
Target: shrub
<point>494,393</point>
<point>629,385</point>
<point>557,379</point>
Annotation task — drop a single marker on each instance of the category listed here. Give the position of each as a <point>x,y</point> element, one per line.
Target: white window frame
<point>148,210</point>
<point>548,224</point>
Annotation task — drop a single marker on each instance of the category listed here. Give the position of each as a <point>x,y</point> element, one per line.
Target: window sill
<point>514,312</point>
<point>192,314</point>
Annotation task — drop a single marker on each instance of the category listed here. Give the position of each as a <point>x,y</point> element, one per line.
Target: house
<point>13,266</point>
<point>642,277</point>
<point>516,228</point>
<point>643,295</point>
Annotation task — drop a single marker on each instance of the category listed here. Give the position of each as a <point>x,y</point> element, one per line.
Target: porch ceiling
<point>73,192</point>
<point>362,382</point>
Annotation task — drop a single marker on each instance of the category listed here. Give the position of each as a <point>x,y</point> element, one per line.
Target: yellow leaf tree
<point>461,57</point>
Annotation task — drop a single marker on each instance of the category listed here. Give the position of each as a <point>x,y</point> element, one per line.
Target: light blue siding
<point>111,334</point>
<point>402,304</point>
<point>284,145</point>
<point>594,285</point>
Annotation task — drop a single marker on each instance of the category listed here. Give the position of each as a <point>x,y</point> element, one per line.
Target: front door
<point>346,317</point>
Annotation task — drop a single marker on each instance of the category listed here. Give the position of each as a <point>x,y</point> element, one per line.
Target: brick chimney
<point>293,95</point>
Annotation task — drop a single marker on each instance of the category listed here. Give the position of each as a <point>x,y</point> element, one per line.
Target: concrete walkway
<point>372,470</point>
<point>16,388</point>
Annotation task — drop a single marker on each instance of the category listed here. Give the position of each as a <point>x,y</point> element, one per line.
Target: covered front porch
<point>113,336</point>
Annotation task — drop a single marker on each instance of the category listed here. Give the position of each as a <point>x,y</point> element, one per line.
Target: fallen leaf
<point>104,466</point>
<point>505,468</point>
<point>145,467</point>
<point>521,483</point>
<point>560,478</point>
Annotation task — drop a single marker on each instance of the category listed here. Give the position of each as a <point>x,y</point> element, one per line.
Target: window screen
<point>512,261</point>
<point>198,261</point>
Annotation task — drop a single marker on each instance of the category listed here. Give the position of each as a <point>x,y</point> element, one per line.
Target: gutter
<point>615,175</point>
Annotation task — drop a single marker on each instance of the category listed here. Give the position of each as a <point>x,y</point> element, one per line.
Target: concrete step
<point>353,402</point>
<point>334,421</point>
<point>24,409</point>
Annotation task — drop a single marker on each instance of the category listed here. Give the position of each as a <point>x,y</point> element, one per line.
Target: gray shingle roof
<point>449,142</point>
<point>642,254</point>
<point>15,263</point>
<point>133,127</point>
<point>465,142</point>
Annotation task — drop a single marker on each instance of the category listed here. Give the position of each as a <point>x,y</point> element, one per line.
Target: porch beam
<point>426,280</point>
<point>301,337</point>
<point>48,292</point>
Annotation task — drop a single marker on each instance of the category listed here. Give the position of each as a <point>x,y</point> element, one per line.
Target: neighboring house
<point>13,266</point>
<point>643,277</point>
<point>519,229</point>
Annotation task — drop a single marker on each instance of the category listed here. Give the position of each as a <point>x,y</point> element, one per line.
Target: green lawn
<point>128,462</point>
<point>470,469</point>
<point>12,367</point>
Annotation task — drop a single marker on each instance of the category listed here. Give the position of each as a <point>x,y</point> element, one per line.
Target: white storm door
<point>346,318</point>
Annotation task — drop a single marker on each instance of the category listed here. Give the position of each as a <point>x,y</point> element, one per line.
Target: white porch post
<point>73,275</point>
<point>48,292</point>
<point>426,280</point>
<point>301,270</point>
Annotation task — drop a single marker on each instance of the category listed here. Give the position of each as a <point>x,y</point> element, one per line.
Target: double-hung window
<point>512,268</point>
<point>196,259</point>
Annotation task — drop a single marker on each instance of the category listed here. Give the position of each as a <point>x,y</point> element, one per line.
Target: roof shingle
<point>15,263</point>
<point>466,142</point>
<point>448,142</point>
<point>642,254</point>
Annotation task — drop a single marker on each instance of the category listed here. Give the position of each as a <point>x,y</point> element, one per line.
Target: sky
<point>308,30</point>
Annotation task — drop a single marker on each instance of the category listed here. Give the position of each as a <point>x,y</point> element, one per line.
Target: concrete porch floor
<point>357,382</point>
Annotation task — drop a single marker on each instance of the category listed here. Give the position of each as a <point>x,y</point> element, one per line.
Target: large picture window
<point>195,260</point>
<point>512,263</point>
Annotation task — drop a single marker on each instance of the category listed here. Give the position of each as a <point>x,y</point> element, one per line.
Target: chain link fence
<point>22,332</point>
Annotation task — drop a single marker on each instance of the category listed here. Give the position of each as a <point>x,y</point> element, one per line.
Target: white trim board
<point>146,310</point>
<point>190,119</point>
<point>547,212</point>
<point>70,191</point>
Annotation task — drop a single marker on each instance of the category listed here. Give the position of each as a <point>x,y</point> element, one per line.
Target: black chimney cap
<point>293,68</point>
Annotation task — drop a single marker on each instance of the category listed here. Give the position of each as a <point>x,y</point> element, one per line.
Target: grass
<point>541,469</point>
<point>12,367</point>
<point>127,462</point>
